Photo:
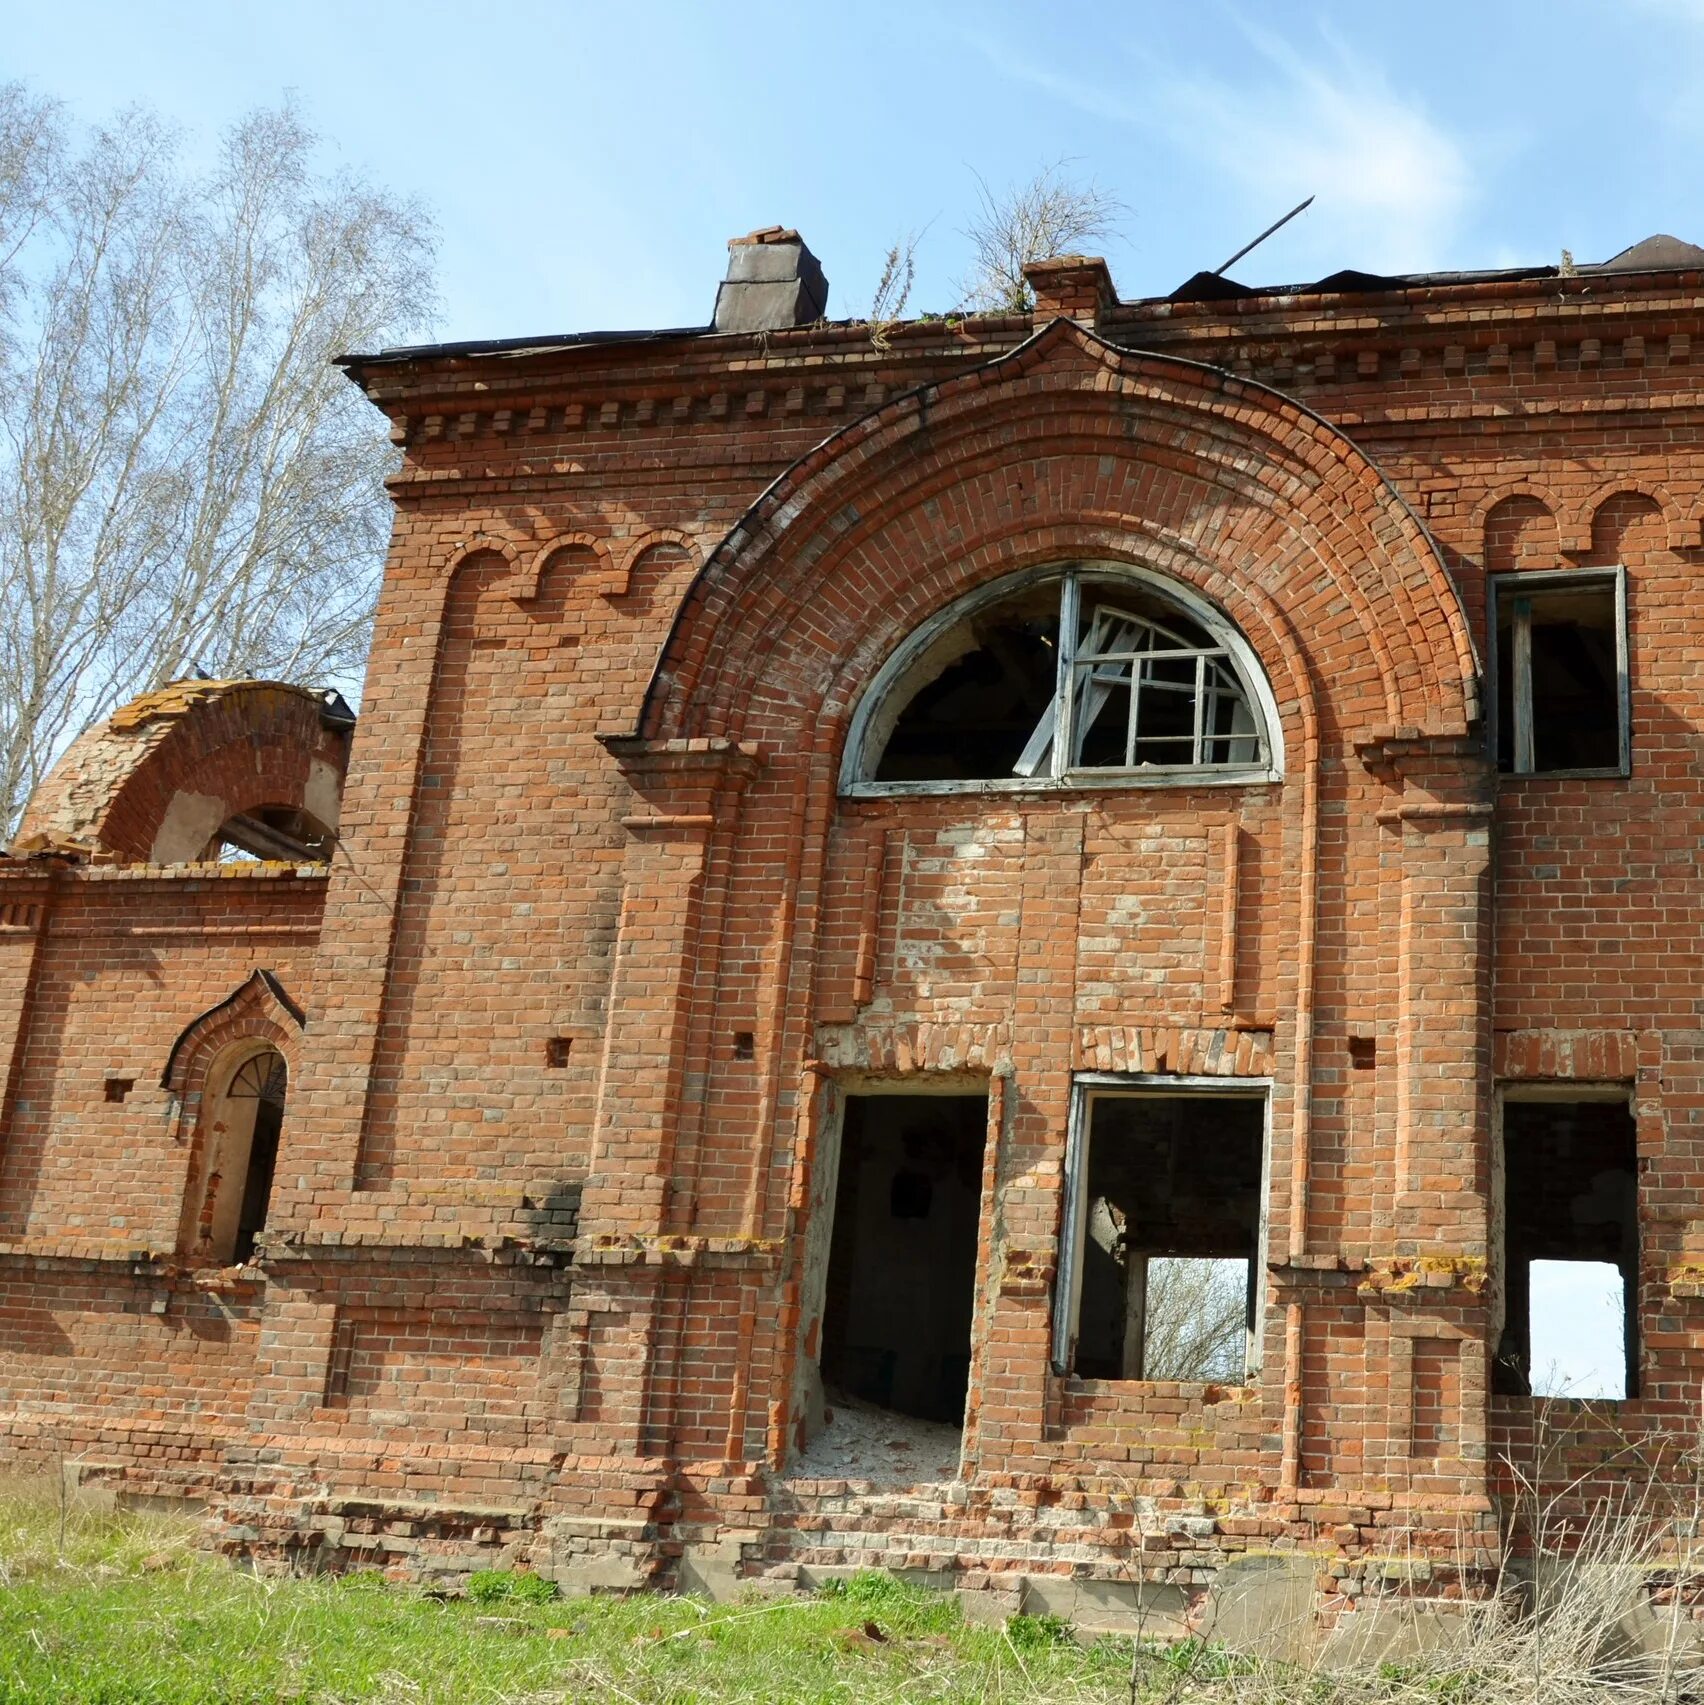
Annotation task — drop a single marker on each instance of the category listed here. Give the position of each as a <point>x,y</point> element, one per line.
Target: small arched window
<point>1076,675</point>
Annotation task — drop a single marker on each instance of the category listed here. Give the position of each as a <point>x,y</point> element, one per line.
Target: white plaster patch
<point>322,797</point>
<point>191,821</point>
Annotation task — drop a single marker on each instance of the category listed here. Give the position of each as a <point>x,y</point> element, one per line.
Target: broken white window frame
<point>1616,1093</point>
<point>873,720</point>
<point>1086,1088</point>
<point>1511,588</point>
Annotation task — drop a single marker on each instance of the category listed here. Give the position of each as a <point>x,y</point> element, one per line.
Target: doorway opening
<point>900,1297</point>
<point>241,1156</point>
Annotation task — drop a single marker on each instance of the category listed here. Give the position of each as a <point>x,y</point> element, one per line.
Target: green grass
<point>113,1608</point>
<point>121,1608</point>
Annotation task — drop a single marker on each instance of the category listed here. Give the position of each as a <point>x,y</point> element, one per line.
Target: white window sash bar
<point>1083,689</point>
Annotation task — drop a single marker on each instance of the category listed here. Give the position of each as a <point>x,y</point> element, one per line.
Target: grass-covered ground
<point>121,1607</point>
<point>100,1607</point>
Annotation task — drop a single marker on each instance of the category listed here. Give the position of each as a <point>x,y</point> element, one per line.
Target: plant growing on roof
<point>1047,215</point>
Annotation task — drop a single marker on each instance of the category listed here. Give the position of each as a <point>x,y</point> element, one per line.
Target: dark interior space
<point>902,1266</point>
<point>981,694</point>
<point>257,1178</point>
<point>1572,688</point>
<point>1570,1193</point>
<point>262,1081</point>
<point>1171,1231</point>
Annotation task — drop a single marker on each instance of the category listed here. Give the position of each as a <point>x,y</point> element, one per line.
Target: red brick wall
<point>129,961</point>
<point>564,889</point>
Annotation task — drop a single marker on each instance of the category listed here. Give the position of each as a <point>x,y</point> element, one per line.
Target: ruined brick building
<point>895,874</point>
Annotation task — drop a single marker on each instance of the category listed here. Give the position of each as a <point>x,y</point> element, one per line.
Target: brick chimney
<point>1077,287</point>
<point>773,282</point>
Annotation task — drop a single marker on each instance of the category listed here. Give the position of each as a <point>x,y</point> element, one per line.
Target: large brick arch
<point>153,782</point>
<point>1071,448</point>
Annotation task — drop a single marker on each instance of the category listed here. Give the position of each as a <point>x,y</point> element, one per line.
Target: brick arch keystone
<point>1044,428</point>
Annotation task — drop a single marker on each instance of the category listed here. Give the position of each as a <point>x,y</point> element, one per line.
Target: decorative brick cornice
<point>618,1249</point>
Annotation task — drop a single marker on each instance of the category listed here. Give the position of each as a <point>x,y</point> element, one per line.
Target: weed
<point>1037,1633</point>
<point>123,1609</point>
<point>509,1586</point>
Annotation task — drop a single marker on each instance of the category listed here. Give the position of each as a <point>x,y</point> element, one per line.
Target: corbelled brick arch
<point>159,779</point>
<point>1071,449</point>
<point>1068,451</point>
<point>260,1008</point>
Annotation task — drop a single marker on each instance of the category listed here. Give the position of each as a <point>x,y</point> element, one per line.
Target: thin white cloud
<point>1682,11</point>
<point>1393,186</point>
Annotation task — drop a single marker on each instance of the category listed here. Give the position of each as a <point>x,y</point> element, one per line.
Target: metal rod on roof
<point>1301,207</point>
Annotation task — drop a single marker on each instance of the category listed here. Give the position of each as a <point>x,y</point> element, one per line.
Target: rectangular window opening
<point>901,1289</point>
<point>1163,1236</point>
<point>1561,670</point>
<point>1570,1250</point>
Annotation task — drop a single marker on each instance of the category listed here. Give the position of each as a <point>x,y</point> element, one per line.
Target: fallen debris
<point>865,1442</point>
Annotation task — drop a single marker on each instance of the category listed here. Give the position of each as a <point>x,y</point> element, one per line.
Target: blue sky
<point>1578,1330</point>
<point>588,163</point>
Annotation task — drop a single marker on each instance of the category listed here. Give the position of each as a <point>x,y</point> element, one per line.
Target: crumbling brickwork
<point>622,912</point>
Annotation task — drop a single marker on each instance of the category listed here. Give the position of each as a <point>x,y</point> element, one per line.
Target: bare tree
<point>185,481</point>
<point>1047,216</point>
<point>1196,1322</point>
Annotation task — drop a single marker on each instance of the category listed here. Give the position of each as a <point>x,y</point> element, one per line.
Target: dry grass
<point>49,1534</point>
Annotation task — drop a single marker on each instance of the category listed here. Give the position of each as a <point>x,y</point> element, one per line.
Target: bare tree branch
<point>1196,1324</point>
<point>1047,216</point>
<point>185,480</point>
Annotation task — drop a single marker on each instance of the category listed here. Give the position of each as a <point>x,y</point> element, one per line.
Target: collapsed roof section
<point>196,769</point>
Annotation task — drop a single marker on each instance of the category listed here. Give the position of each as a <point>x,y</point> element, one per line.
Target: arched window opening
<point>242,1155</point>
<point>283,833</point>
<point>1076,675</point>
